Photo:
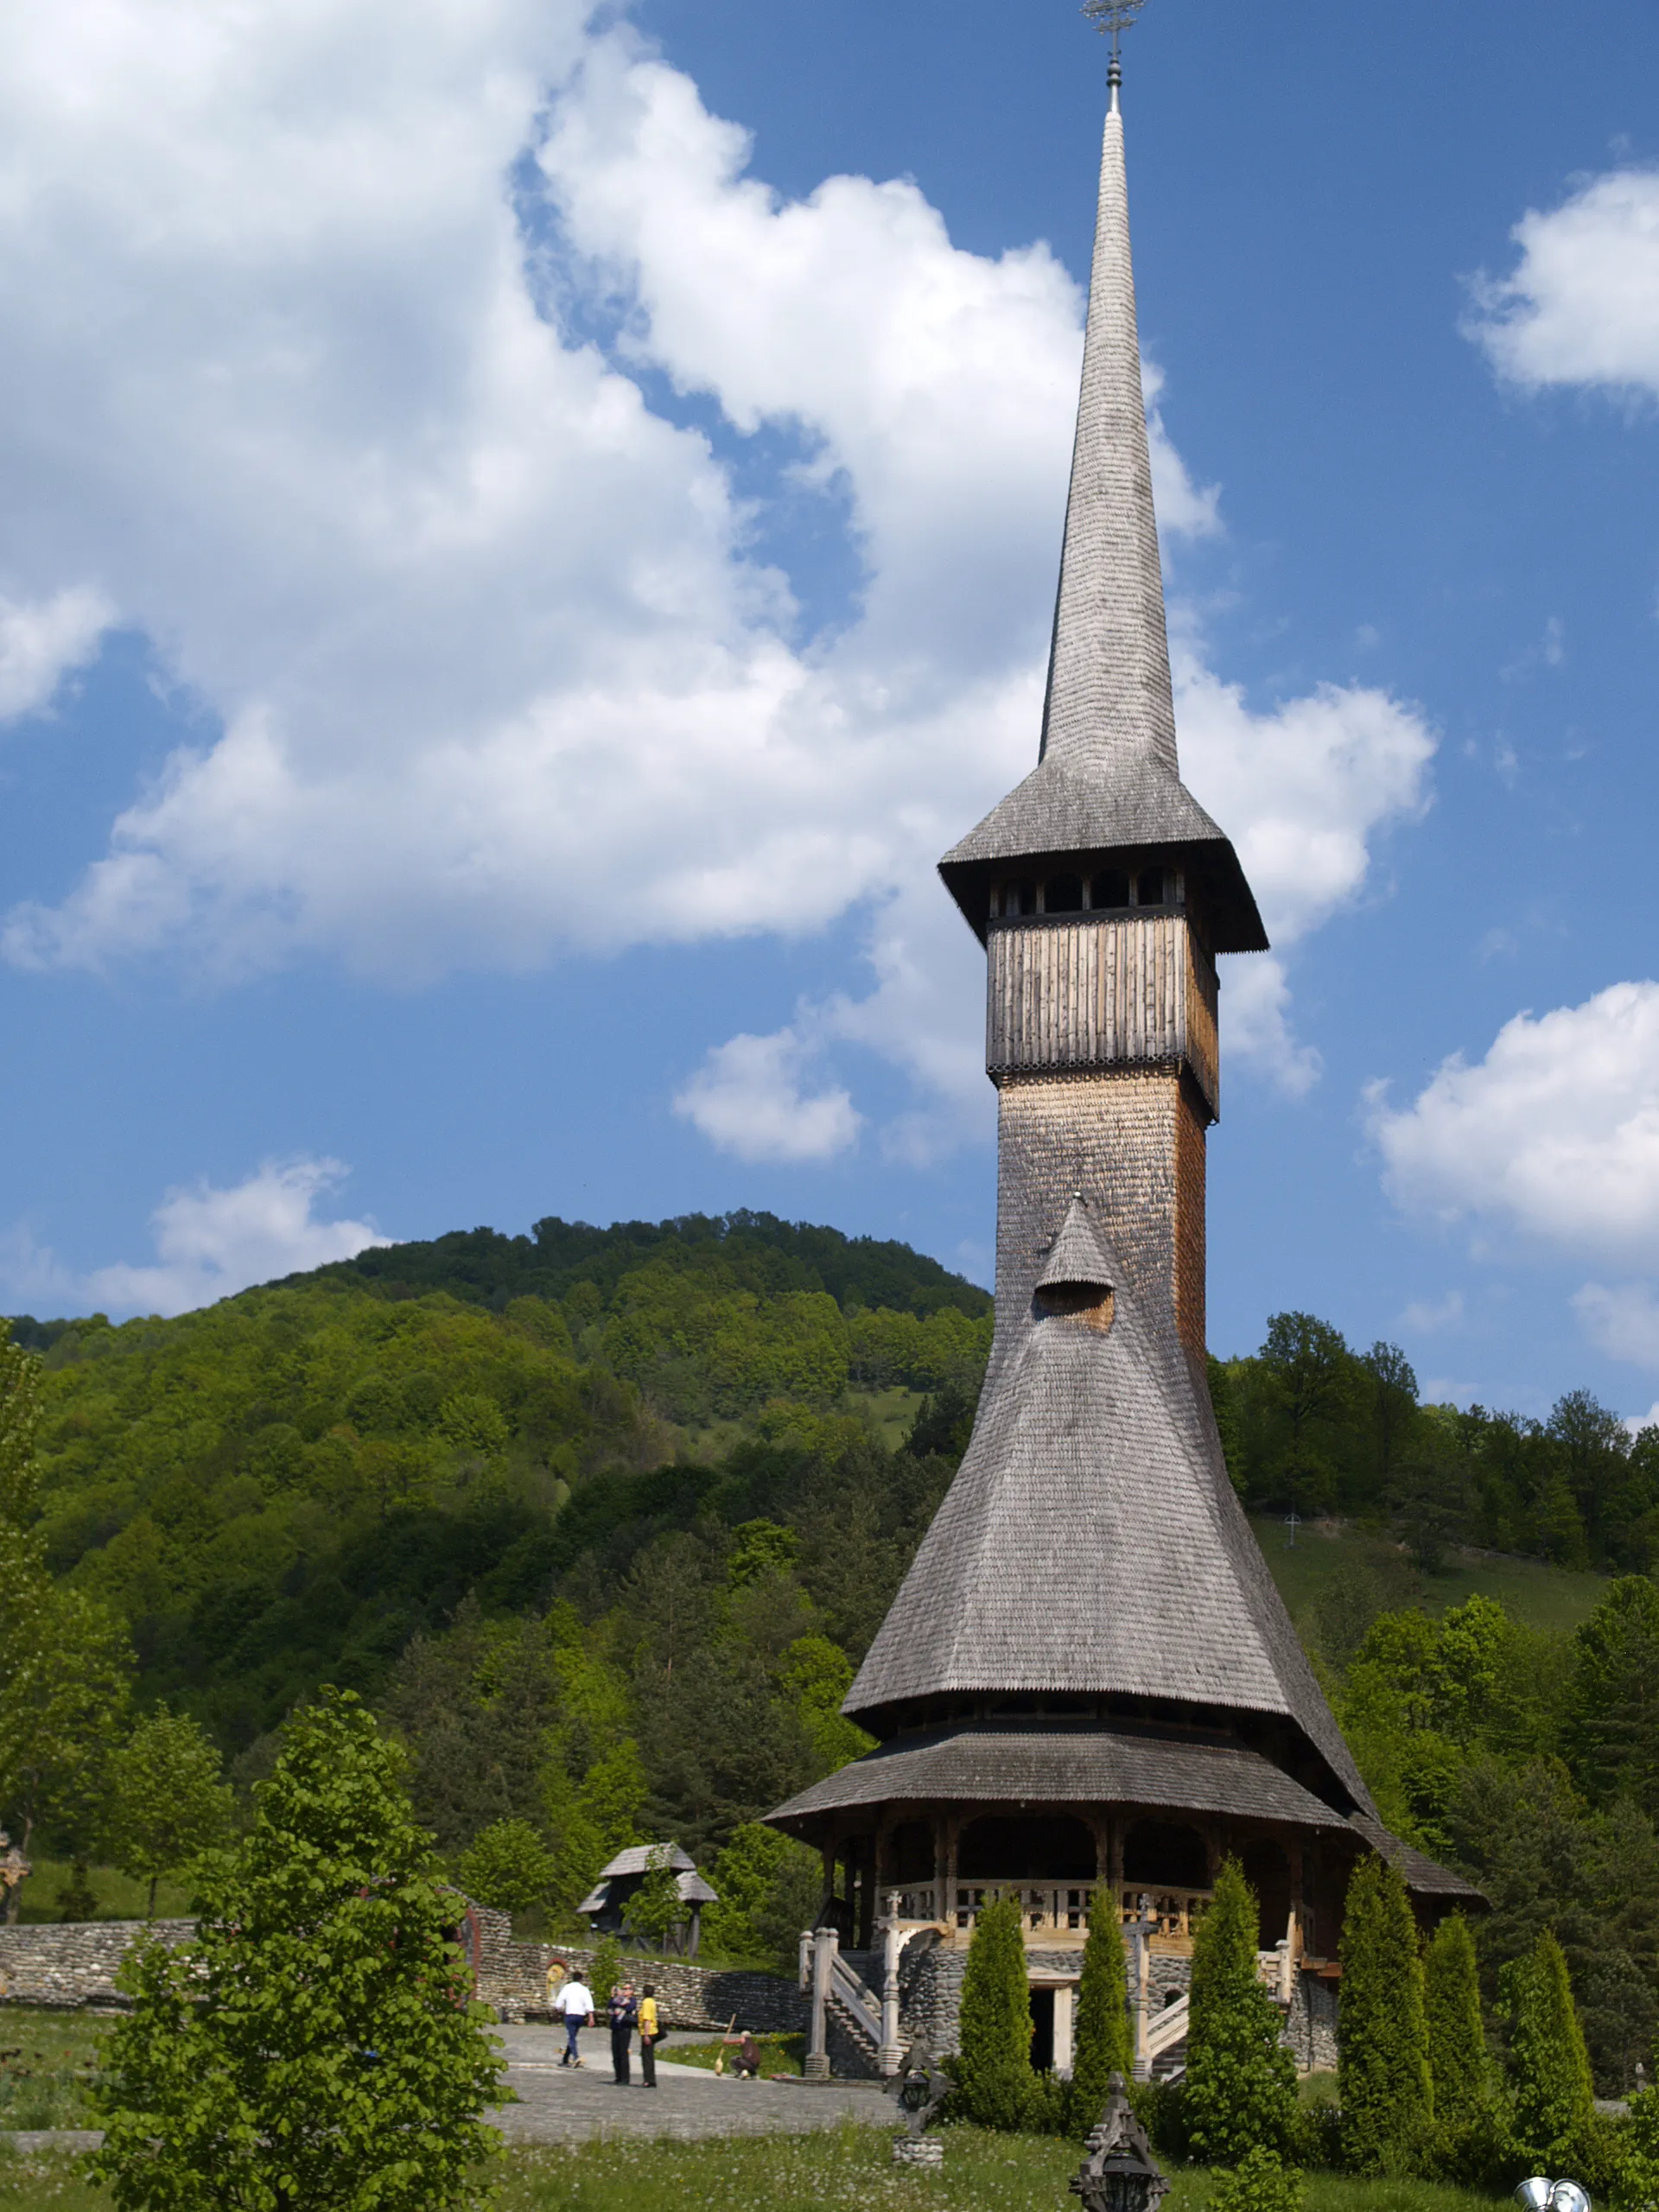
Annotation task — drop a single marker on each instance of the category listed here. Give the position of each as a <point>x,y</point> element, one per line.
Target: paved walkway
<point>560,2105</point>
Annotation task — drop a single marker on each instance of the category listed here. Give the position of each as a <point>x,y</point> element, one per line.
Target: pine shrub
<point>1261,2181</point>
<point>1458,2065</point>
<point>1382,2070</point>
<point>1555,2119</point>
<point>1240,2090</point>
<point>1472,2128</point>
<point>995,2086</point>
<point>1103,2044</point>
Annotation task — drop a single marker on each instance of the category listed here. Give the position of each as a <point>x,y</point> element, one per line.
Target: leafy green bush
<point>1260,2182</point>
<point>995,2087</point>
<point>314,2044</point>
<point>1382,2067</point>
<point>1637,2155</point>
<point>607,1971</point>
<point>507,1865</point>
<point>1240,2090</point>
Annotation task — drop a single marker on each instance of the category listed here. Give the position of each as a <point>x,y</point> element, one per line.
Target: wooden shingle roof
<point>1092,1543</point>
<point>1052,1764</point>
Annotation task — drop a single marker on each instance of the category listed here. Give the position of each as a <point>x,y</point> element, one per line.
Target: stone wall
<point>74,1963</point>
<point>513,1976</point>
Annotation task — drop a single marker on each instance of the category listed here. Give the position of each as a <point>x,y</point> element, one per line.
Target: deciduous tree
<point>316,2045</point>
<point>506,1866</point>
<point>168,1799</point>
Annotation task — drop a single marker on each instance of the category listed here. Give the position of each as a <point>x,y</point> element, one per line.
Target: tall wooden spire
<point>1108,777</point>
<point>1109,707</point>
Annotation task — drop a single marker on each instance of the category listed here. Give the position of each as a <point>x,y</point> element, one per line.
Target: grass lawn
<point>779,2054</point>
<point>1556,1598</point>
<point>849,2169</point>
<point>46,2059</point>
<point>120,1898</point>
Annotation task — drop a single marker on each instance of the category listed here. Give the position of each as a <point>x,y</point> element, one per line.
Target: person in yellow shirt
<point>649,2033</point>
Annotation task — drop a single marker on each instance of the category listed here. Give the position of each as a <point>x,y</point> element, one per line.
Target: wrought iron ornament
<point>919,2089</point>
<point>1112,18</point>
<point>1120,2173</point>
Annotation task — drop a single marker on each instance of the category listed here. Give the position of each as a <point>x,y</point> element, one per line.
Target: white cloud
<point>1622,1321</point>
<point>746,1098</point>
<point>1637,1422</point>
<point>211,1242</point>
<point>1255,1025</point>
<point>1582,306</point>
<point>1185,510</point>
<point>41,639</point>
<point>1424,1316</point>
<point>497,673</point>
<point>1302,790</point>
<point>1554,1135</point>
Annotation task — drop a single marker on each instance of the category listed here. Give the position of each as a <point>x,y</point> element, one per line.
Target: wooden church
<point>1088,1678</point>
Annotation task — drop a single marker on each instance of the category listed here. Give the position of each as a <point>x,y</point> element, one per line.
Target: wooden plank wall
<point>1092,994</point>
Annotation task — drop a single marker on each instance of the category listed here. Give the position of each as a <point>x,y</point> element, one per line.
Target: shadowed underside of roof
<point>1052,1765</point>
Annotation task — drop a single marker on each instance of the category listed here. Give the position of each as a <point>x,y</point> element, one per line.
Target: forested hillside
<point>1312,1426</point>
<point>285,1486</point>
<point>603,1520</point>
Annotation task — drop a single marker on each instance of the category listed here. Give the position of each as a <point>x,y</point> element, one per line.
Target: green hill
<point>288,1486</point>
<point>1532,1591</point>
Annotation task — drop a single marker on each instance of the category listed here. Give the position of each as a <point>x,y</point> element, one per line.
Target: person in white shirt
<point>575,2002</point>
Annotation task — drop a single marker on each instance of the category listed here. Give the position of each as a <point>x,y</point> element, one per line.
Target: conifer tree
<point>1549,2067</point>
<point>1103,2044</point>
<point>1458,2067</point>
<point>1383,2076</point>
<point>317,2044</point>
<point>1240,2090</point>
<point>995,2080</point>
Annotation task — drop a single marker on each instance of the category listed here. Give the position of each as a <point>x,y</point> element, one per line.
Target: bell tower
<point>1088,1680</point>
<point>1102,891</point>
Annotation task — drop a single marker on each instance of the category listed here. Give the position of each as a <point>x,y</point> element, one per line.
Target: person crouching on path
<point>575,2003</point>
<point>649,2032</point>
<point>623,2013</point>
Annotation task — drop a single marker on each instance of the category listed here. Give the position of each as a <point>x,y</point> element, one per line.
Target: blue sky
<point>527,530</point>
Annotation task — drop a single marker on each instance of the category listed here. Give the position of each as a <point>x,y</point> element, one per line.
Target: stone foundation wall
<point>75,1962</point>
<point>1310,2030</point>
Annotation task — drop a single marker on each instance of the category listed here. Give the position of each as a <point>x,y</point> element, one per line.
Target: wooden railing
<point>1175,1912</point>
<point>1043,1905</point>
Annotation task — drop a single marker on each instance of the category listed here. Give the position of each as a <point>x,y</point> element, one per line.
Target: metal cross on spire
<point>1112,18</point>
